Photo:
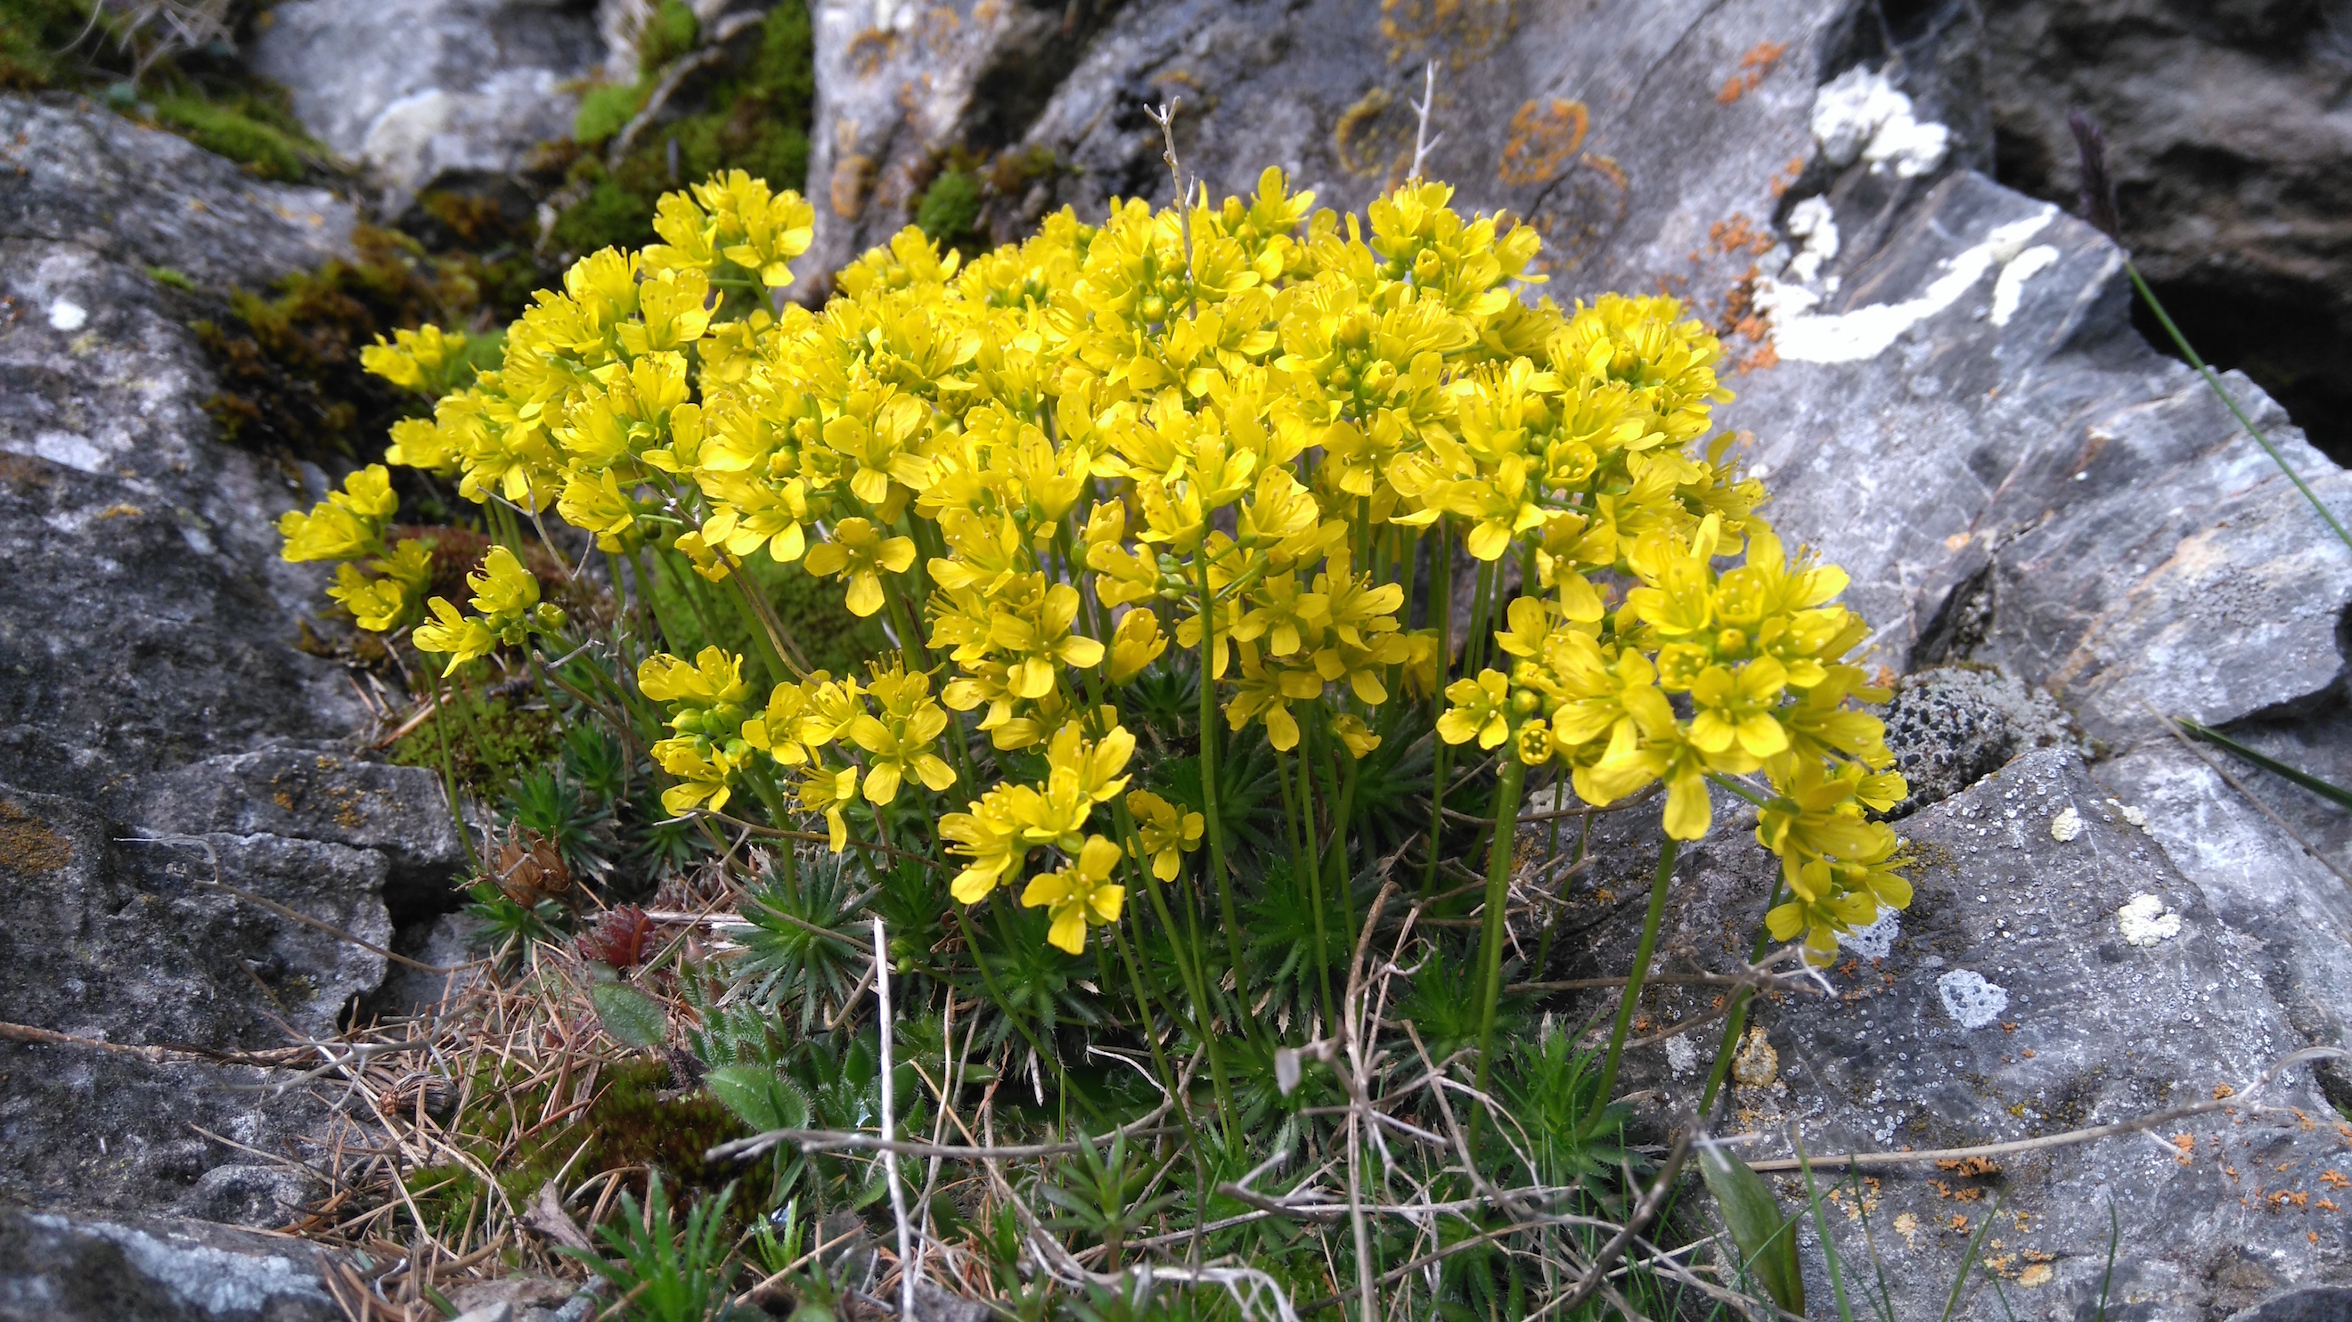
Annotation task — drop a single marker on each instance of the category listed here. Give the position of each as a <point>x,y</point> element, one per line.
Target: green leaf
<point>1767,1240</point>
<point>758,1097</point>
<point>632,1017</point>
<point>2328,790</point>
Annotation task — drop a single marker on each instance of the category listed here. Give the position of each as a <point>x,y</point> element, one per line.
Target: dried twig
<point>2154,1120</point>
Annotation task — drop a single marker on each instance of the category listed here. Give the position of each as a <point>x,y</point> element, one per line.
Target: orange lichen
<point>1543,141</point>
<point>1753,66</point>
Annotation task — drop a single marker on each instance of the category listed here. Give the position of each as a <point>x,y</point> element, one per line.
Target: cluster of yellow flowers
<point>1242,420</point>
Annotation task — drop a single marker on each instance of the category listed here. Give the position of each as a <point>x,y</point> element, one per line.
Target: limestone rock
<point>431,93</point>
<point>85,177</point>
<point>74,1269</point>
<point>2009,1002</point>
<point>156,719</point>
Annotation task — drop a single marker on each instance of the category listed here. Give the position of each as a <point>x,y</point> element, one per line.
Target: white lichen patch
<point>1681,1056</point>
<point>67,315</point>
<point>1860,116</point>
<point>2146,921</point>
<point>1876,941</point>
<point>1969,999</point>
<point>2135,816</point>
<point>2066,826</point>
<point>1813,224</point>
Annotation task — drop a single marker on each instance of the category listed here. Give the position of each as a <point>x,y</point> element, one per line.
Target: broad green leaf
<point>1767,1240</point>
<point>758,1097</point>
<point>632,1017</point>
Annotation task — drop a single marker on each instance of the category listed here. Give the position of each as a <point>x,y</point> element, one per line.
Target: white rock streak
<point>1866,332</point>
<point>2009,286</point>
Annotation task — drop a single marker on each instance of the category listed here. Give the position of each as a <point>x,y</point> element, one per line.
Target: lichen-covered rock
<point>84,177</point>
<point>76,1269</point>
<point>431,93</point>
<point>2013,999</point>
<point>157,721</point>
<point>1951,726</point>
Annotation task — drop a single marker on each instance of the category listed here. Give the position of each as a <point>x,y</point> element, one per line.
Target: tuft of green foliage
<point>34,36</point>
<point>230,130</point>
<point>950,206</point>
<point>755,118</point>
<point>491,742</point>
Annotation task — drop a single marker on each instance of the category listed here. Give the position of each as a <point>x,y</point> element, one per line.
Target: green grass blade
<point>2333,793</point>
<point>1968,1261</point>
<point>2213,382</point>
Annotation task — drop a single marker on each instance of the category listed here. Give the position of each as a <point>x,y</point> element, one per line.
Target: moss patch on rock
<point>754,117</point>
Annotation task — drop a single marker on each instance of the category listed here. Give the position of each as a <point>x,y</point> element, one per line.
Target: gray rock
<point>431,93</point>
<point>71,1269</point>
<point>2013,999</point>
<point>89,178</point>
<point>1951,726</point>
<point>2227,141</point>
<point>2326,1303</point>
<point>398,812</point>
<point>150,687</point>
<point>447,941</point>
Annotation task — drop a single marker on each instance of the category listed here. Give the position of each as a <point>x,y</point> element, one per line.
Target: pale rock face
<point>432,93</point>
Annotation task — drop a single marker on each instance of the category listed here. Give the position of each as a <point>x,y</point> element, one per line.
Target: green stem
<point>2213,382</point>
<point>1208,770</point>
<point>465,835</point>
<point>1633,982</point>
<point>1313,881</point>
<point>1443,580</point>
<point>1187,968</point>
<point>1737,1021</point>
<point>1498,895</point>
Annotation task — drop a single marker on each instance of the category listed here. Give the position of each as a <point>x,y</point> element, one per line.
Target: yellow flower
<point>776,730</point>
<point>1167,833</point>
<point>346,525</point>
<point>422,359</point>
<point>384,603</point>
<point>1739,707</point>
<point>860,553</point>
<point>1135,643</point>
<point>452,632</point>
<point>714,676</point>
<point>1480,709</point>
<point>829,791</point>
<point>1080,895</point>
<point>1355,734</point>
<point>902,745</point>
<point>990,835</point>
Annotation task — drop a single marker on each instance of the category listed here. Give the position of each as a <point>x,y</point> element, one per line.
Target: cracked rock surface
<point>161,739</point>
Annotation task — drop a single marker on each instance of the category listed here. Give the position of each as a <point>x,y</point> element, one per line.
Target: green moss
<point>490,741</point>
<point>228,130</point>
<point>755,119</point>
<point>950,206</point>
<point>606,110</point>
<point>670,33</point>
<point>173,276</point>
<point>33,35</point>
<point>288,364</point>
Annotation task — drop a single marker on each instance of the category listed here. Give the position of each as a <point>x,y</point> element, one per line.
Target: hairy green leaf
<point>631,1016</point>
